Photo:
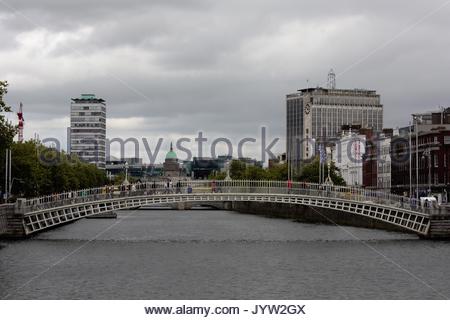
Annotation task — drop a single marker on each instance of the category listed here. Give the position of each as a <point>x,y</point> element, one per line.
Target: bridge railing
<point>223,186</point>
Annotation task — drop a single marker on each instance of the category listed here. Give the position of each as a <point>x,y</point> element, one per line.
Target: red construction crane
<point>21,122</point>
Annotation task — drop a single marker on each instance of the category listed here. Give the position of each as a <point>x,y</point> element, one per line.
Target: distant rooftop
<point>326,91</point>
<point>88,97</point>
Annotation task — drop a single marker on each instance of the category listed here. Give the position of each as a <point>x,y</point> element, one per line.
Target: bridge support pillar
<point>183,206</point>
<point>439,227</point>
<point>228,205</point>
<point>15,226</point>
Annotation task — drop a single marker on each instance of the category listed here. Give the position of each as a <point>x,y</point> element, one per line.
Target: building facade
<point>429,168</point>
<point>427,121</point>
<point>377,160</point>
<point>316,115</point>
<point>279,160</point>
<point>429,171</point>
<point>136,168</point>
<point>370,159</point>
<point>87,134</point>
<point>203,167</point>
<point>347,155</point>
<point>384,168</point>
<point>171,166</point>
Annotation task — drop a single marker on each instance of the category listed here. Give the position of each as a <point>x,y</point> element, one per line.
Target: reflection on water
<point>161,254</point>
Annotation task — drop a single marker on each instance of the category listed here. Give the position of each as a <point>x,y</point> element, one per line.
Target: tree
<point>310,173</point>
<point>120,178</point>
<point>58,173</point>
<point>217,176</point>
<point>237,169</point>
<point>240,170</point>
<point>7,130</point>
<point>31,178</point>
<point>255,173</point>
<point>278,172</point>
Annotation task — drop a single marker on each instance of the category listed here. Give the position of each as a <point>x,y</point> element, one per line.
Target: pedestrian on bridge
<point>289,185</point>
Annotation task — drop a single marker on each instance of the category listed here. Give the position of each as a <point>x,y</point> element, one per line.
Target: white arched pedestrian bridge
<point>50,211</point>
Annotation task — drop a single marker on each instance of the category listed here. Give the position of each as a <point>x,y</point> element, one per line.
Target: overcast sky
<point>169,68</point>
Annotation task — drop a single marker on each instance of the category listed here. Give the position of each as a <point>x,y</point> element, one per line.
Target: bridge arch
<point>394,210</point>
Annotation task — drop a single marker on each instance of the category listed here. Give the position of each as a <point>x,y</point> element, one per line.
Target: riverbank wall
<point>11,222</point>
<point>4,209</point>
<point>307,214</point>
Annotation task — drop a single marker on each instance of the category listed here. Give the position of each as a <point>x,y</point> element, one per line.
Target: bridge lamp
<point>427,154</point>
<point>125,182</point>
<point>228,177</point>
<point>417,120</point>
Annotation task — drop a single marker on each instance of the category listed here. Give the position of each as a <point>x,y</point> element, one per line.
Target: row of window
<point>100,154</point>
<point>100,115</point>
<point>86,130</point>
<point>87,146</point>
<point>384,168</point>
<point>89,125</point>
<point>90,107</point>
<point>384,183</point>
<point>347,101</point>
<point>328,122</point>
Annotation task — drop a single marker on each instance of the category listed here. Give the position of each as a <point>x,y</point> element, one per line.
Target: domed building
<point>171,166</point>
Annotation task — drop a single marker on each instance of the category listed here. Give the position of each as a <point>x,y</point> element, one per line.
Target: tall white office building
<point>87,134</point>
<point>316,115</point>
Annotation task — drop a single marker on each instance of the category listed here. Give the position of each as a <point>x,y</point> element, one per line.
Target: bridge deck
<point>45,212</point>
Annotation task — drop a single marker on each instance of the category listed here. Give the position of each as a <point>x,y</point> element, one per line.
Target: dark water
<point>151,254</point>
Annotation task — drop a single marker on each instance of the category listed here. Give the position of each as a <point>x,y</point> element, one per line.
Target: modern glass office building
<point>316,115</point>
<point>88,129</point>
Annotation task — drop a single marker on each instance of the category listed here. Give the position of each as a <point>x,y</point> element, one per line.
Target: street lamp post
<point>328,180</point>
<point>228,177</point>
<point>417,120</point>
<point>429,172</point>
<point>125,182</point>
<point>427,154</point>
<point>410,161</point>
<point>7,174</point>
<point>417,160</point>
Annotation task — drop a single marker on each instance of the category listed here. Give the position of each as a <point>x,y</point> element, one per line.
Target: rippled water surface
<point>203,254</point>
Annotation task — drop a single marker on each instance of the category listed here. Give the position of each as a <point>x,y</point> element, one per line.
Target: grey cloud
<point>226,66</point>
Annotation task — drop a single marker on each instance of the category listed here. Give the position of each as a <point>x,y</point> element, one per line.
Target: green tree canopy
<point>237,169</point>
<point>310,173</point>
<point>38,170</point>
<point>7,131</point>
<point>240,170</point>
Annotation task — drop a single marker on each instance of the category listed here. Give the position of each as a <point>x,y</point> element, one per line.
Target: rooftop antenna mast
<point>331,79</point>
<point>21,122</point>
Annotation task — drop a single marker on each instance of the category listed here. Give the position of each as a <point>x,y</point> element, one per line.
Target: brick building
<point>432,158</point>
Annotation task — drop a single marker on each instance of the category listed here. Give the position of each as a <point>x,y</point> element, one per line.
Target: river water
<point>212,254</point>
